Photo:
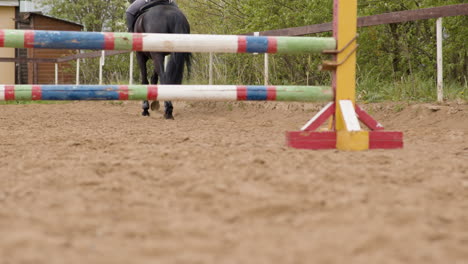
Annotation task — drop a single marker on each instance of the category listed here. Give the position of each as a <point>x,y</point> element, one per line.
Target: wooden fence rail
<point>375,20</point>
<point>367,21</point>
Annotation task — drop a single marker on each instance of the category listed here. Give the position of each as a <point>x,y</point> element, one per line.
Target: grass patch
<point>398,108</point>
<point>371,88</point>
<point>31,102</point>
<point>117,103</point>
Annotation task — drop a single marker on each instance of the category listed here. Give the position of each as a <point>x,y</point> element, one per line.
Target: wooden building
<point>41,72</point>
<point>8,11</point>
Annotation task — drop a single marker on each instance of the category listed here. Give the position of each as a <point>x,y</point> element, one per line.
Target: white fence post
<point>440,61</point>
<point>130,79</point>
<point>77,71</point>
<point>210,70</point>
<point>266,70</point>
<point>101,63</point>
<point>56,73</point>
<point>166,61</point>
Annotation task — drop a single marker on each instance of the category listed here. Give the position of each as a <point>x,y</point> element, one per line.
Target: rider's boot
<point>130,22</point>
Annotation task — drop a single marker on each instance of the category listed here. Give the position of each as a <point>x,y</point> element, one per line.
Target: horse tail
<point>179,60</point>
<point>175,67</point>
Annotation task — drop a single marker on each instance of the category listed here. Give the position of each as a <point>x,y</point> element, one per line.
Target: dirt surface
<point>94,182</point>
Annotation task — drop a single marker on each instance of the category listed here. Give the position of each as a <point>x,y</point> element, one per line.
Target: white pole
<point>131,69</point>
<point>256,34</point>
<point>56,73</point>
<point>266,69</point>
<point>77,71</point>
<point>166,61</point>
<point>101,63</point>
<point>440,60</point>
<point>210,70</point>
<point>307,73</point>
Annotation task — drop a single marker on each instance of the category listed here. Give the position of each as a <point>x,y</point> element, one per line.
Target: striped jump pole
<point>166,93</point>
<point>162,42</point>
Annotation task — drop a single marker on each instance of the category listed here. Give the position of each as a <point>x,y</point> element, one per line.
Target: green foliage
<point>243,16</point>
<point>373,87</point>
<point>407,49</point>
<point>395,62</point>
<point>94,15</point>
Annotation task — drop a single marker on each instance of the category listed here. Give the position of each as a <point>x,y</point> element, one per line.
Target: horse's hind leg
<point>168,110</point>
<point>155,104</point>
<point>158,60</point>
<point>142,59</point>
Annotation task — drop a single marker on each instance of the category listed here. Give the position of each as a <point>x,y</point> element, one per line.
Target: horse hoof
<point>155,106</point>
<point>168,117</point>
<point>145,113</point>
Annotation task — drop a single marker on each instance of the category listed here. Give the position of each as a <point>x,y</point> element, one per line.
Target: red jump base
<point>327,140</point>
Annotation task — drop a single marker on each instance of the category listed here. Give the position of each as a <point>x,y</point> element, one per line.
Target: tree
<point>94,15</point>
<point>387,53</point>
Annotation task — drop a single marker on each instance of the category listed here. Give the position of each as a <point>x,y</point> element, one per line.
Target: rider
<point>134,8</point>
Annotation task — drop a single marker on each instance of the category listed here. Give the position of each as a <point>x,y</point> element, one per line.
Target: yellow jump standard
<point>346,133</point>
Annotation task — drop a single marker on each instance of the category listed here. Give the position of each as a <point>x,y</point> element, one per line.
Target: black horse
<point>162,16</point>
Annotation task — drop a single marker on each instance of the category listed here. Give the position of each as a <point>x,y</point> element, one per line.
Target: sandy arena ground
<point>94,182</point>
